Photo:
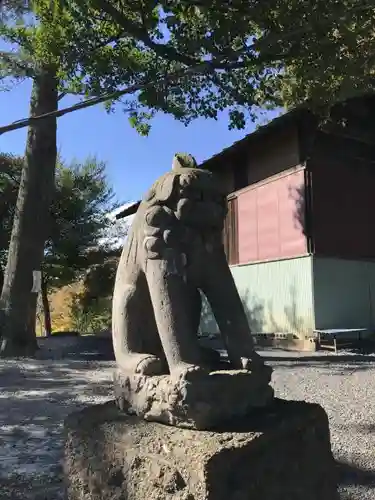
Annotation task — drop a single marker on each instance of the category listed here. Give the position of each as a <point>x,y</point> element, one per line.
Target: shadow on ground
<point>35,397</point>
<point>352,475</point>
<point>358,358</point>
<point>338,364</point>
<point>85,348</point>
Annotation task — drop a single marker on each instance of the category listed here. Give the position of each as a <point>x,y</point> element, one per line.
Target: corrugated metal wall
<point>277,296</point>
<point>344,293</point>
<point>271,218</point>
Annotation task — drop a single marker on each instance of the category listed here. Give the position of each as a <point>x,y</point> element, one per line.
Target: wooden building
<point>299,232</point>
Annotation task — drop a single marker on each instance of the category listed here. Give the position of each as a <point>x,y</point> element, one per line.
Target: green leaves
<point>141,122</point>
<point>100,46</point>
<point>10,175</point>
<point>78,215</point>
<point>237,119</point>
<point>286,52</point>
<point>258,54</point>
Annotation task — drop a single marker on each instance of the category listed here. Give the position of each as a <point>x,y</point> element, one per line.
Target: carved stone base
<point>194,399</point>
<point>283,453</point>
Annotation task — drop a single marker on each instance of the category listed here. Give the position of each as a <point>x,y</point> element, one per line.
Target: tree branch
<point>307,29</point>
<point>140,33</point>
<point>16,65</point>
<point>104,43</point>
<point>108,97</point>
<point>230,90</point>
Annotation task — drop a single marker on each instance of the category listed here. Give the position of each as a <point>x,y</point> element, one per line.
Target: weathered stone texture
<point>282,454</point>
<point>195,400</point>
<point>174,251</point>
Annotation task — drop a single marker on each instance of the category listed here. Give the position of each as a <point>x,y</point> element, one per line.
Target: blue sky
<point>133,162</point>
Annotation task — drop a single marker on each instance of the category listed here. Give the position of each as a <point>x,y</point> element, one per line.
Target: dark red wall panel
<point>247,226</point>
<point>270,219</point>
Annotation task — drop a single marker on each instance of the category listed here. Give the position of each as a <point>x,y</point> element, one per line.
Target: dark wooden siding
<point>273,153</point>
<point>230,233</point>
<point>250,167</point>
<point>265,154</point>
<point>227,178</point>
<point>343,190</point>
<point>258,157</point>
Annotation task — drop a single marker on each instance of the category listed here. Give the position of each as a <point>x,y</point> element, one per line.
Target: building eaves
<point>215,161</point>
<point>281,121</point>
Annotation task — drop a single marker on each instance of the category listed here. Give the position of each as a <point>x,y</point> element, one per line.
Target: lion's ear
<point>164,187</point>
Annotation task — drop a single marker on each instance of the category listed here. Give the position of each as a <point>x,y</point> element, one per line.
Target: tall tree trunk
<point>46,309</point>
<point>17,302</point>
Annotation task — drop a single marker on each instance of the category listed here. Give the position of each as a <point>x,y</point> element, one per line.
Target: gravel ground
<point>344,385</point>
<point>36,395</point>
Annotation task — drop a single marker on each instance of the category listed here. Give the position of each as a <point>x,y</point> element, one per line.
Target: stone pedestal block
<point>194,399</point>
<point>282,453</point>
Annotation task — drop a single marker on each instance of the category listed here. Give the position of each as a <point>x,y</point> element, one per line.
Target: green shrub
<point>92,317</point>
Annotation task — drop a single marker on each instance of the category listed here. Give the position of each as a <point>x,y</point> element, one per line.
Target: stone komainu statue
<point>173,251</point>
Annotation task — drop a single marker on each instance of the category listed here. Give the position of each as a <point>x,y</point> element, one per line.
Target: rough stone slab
<point>281,454</point>
<point>194,399</point>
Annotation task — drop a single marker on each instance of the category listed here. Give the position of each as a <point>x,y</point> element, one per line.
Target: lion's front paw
<point>181,369</point>
<point>257,365</point>
<point>149,365</point>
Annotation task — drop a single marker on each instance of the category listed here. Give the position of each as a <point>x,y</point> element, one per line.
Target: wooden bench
<point>333,338</point>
